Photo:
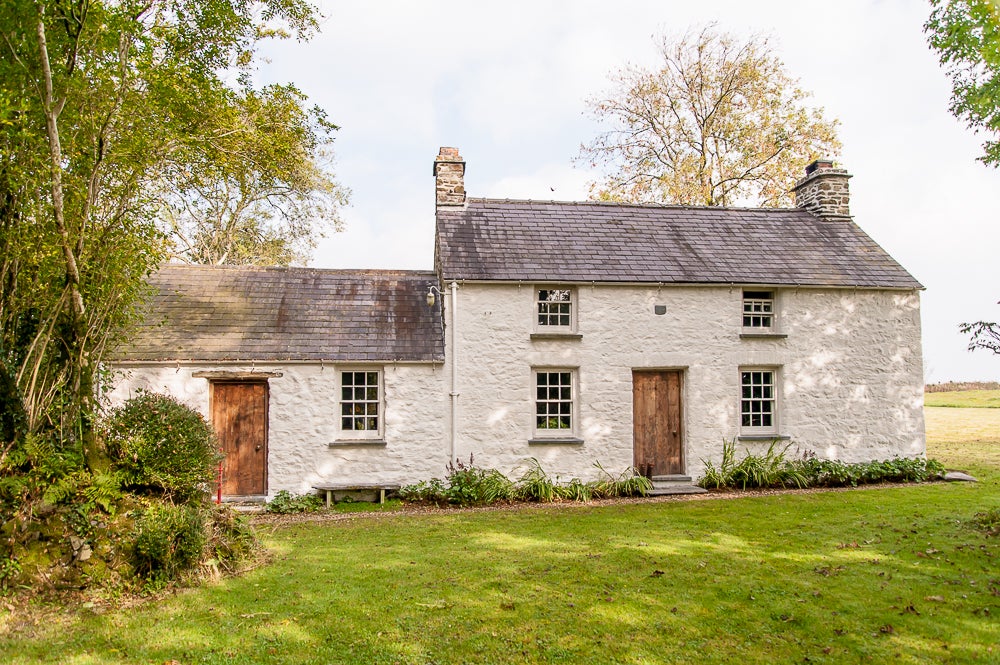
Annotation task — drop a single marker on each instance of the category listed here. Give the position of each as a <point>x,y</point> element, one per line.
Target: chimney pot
<point>819,164</point>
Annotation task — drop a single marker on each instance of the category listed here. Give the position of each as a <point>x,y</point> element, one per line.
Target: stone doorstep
<point>676,489</point>
<point>245,504</point>
<point>672,478</point>
<point>674,484</point>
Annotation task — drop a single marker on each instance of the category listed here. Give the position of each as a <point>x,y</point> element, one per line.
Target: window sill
<point>556,335</point>
<point>562,441</point>
<point>763,437</point>
<point>350,443</point>
<point>762,335</point>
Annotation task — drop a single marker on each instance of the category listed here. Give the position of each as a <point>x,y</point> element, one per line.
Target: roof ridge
<point>296,269</point>
<point>625,204</point>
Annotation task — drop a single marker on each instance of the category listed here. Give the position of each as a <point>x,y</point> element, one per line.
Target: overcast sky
<point>506,83</point>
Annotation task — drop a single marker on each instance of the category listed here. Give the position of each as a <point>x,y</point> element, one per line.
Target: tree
<point>982,335</point>
<point>101,103</point>
<point>256,192</point>
<point>966,36</point>
<point>717,123</point>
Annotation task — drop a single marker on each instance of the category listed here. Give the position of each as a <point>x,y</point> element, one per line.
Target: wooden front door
<point>656,417</point>
<point>239,415</point>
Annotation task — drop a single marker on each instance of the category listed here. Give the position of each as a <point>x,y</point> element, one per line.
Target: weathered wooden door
<point>239,415</point>
<point>656,417</point>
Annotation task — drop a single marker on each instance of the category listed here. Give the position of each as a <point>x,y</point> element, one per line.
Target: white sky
<point>506,84</point>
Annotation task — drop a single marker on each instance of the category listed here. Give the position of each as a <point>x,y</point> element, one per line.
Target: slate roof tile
<point>490,239</point>
<point>271,314</point>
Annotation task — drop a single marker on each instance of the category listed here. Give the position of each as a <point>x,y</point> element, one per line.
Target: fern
<point>62,489</point>
<point>104,490</point>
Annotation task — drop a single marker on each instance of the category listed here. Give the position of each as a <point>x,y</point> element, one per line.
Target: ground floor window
<point>361,403</point>
<point>758,401</point>
<point>554,407</point>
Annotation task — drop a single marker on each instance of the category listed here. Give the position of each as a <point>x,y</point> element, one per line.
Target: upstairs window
<point>555,308</point>
<point>553,402</point>
<point>758,310</point>
<point>758,401</point>
<point>361,403</point>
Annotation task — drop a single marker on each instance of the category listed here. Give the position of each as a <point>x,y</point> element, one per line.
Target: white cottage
<point>308,376</point>
<point>573,333</point>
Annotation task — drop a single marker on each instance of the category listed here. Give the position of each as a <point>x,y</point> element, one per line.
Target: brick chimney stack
<point>449,174</point>
<point>824,191</point>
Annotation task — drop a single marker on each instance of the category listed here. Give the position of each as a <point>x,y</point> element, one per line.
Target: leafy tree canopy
<point>718,122</point>
<point>966,36</point>
<point>104,106</point>
<point>256,191</point>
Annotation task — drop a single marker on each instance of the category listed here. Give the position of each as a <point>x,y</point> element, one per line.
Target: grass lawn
<point>891,575</point>
<point>989,399</point>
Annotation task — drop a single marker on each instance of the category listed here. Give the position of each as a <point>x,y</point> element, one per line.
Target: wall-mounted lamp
<point>431,290</point>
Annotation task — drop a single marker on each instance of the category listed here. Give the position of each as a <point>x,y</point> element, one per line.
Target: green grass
<point>879,575</point>
<point>989,399</point>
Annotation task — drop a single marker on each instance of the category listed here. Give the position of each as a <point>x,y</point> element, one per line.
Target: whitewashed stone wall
<point>849,372</point>
<point>303,420</point>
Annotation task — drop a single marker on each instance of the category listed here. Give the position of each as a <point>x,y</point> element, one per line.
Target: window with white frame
<point>554,308</point>
<point>758,401</point>
<point>758,310</point>
<point>361,403</point>
<point>554,402</point>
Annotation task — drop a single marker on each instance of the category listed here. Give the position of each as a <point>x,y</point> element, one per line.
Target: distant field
<point>989,399</point>
<point>966,439</point>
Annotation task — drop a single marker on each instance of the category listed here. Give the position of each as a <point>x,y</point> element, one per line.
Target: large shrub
<point>162,445</point>
<point>167,540</point>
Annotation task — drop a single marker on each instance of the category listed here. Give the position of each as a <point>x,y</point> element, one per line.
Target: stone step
<point>676,489</point>
<point>672,478</point>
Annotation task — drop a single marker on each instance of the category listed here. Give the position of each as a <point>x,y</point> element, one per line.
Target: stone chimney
<point>449,174</point>
<point>824,191</point>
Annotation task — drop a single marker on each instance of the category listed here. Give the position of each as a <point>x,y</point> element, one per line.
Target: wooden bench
<point>363,487</point>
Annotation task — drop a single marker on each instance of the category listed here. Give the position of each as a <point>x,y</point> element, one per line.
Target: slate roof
<point>489,239</point>
<point>265,314</point>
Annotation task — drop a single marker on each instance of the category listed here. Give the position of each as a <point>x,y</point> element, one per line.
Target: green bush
<point>286,503</point>
<point>425,491</point>
<point>232,540</point>
<point>465,485</point>
<point>162,445</point>
<point>472,485</point>
<point>168,539</point>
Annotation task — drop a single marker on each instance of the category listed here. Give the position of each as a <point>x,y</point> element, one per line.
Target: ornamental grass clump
<point>627,483</point>
<point>773,469</point>
<point>467,484</point>
<point>536,485</point>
